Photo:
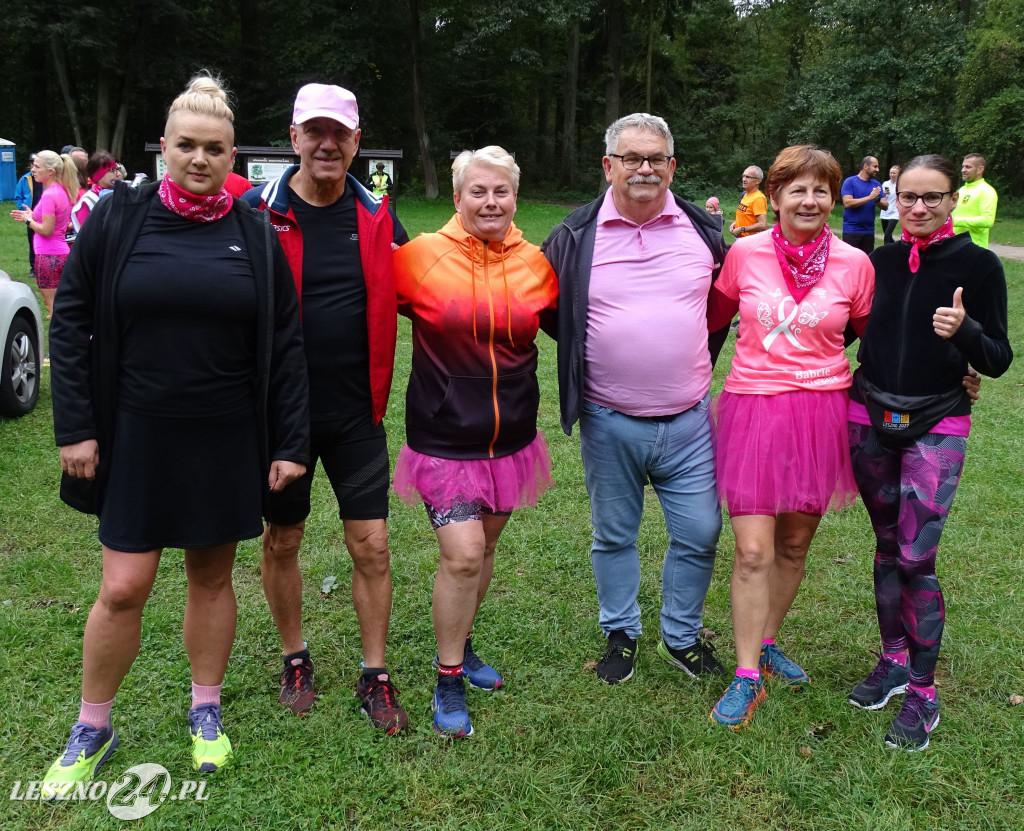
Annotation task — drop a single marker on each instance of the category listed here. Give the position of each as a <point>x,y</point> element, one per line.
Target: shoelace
<point>881,670</point>
<point>741,689</point>
<point>301,680</point>
<point>916,707</point>
<point>383,692</point>
<point>453,697</point>
<point>206,722</point>
<point>83,737</point>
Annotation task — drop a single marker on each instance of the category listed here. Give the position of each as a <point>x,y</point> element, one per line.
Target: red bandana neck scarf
<point>802,265</point>
<point>196,208</point>
<point>919,244</point>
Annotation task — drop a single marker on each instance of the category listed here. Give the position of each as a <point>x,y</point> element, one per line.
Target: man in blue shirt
<point>860,195</point>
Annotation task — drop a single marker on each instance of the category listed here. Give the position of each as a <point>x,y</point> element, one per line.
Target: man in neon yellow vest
<point>975,211</point>
<point>380,182</point>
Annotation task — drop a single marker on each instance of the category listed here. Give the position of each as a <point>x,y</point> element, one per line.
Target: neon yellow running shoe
<point>211,749</point>
<point>87,749</point>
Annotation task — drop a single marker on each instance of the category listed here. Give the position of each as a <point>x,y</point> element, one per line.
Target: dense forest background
<point>736,79</point>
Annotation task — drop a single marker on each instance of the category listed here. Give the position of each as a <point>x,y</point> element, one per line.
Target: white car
<point>21,333</point>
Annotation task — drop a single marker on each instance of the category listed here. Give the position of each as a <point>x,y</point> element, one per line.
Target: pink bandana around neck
<point>802,265</point>
<point>919,244</point>
<point>195,208</point>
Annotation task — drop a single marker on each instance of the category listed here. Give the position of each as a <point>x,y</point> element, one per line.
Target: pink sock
<point>927,692</point>
<point>98,715</point>
<point>902,658</point>
<point>205,695</point>
<point>767,641</point>
<point>753,674</point>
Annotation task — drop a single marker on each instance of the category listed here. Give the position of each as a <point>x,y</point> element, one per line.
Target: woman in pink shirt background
<point>782,455</point>
<point>49,219</point>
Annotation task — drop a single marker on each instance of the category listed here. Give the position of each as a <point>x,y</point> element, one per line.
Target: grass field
<point>555,748</point>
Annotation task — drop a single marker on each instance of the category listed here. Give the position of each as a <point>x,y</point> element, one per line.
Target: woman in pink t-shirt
<point>782,455</point>
<point>49,219</point>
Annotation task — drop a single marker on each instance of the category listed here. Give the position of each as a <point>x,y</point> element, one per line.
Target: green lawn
<point>555,749</point>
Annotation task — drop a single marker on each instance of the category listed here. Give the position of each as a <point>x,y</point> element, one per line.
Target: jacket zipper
<point>494,360</point>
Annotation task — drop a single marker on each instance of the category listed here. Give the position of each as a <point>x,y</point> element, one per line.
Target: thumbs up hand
<point>947,319</point>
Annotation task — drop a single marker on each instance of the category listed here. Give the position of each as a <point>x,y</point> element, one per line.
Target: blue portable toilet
<point>8,171</point>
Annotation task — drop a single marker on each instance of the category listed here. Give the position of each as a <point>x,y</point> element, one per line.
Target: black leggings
<point>888,226</point>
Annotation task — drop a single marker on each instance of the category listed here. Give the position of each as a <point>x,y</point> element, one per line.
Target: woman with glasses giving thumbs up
<point>939,304</point>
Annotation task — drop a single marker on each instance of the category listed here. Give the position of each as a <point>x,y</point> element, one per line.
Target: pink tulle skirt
<point>784,453</point>
<point>502,484</point>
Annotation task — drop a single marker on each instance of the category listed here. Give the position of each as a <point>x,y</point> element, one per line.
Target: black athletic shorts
<point>355,458</point>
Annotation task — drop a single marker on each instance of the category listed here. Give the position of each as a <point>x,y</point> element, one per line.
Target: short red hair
<point>800,160</point>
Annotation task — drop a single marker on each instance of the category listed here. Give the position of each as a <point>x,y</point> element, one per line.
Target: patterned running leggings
<point>908,492</point>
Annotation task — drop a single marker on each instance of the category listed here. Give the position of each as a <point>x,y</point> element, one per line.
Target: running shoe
<point>736,706</point>
<point>379,698</point>
<point>616,664</point>
<point>297,693</point>
<point>480,675</point>
<point>910,730</point>
<point>87,749</point>
<point>774,663</point>
<point>887,679</point>
<point>451,718</point>
<point>695,660</point>
<point>211,748</point>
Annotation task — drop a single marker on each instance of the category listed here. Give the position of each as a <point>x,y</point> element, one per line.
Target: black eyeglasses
<point>633,161</point>
<point>933,199</point>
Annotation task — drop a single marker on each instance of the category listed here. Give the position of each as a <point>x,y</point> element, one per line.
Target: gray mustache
<point>644,180</point>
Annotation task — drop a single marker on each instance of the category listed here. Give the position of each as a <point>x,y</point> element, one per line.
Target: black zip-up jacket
<point>570,250</point>
<point>84,339</point>
<point>900,352</point>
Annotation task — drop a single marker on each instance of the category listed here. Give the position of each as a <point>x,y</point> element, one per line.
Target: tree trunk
<point>650,59</point>
<point>572,69</point>
<point>616,24</point>
<point>418,110</point>
<point>102,110</point>
<point>60,65</point>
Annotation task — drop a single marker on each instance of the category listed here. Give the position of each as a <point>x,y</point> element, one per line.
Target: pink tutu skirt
<point>502,484</point>
<point>784,453</point>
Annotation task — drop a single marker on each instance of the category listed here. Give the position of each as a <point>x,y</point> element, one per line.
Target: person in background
<point>380,181</point>
<point>179,400</point>
<point>81,159</point>
<point>975,211</point>
<point>712,207</point>
<point>102,171</point>
<point>236,184</point>
<point>860,194</point>
<point>940,303</point>
<point>752,212</point>
<point>26,196</point>
<point>476,293</point>
<point>49,219</point>
<point>890,214</point>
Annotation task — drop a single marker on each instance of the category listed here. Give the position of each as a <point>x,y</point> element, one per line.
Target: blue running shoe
<point>480,675</point>
<point>911,728</point>
<point>211,748</point>
<point>88,748</point>
<point>774,663</point>
<point>887,679</point>
<point>736,706</point>
<point>451,718</point>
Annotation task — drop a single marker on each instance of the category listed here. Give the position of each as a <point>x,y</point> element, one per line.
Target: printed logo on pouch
<point>136,793</point>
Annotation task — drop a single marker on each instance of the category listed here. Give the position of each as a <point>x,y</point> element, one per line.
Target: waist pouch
<point>903,418</point>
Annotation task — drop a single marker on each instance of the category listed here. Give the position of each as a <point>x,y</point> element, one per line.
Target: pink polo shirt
<point>647,337</point>
<point>55,202</point>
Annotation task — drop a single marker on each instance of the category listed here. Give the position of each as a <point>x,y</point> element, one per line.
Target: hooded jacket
<point>475,309</point>
<point>378,228</point>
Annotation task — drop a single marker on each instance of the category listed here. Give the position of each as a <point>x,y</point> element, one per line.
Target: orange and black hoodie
<point>475,308</point>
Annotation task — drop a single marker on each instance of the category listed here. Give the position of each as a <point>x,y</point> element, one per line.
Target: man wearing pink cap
<point>338,239</point>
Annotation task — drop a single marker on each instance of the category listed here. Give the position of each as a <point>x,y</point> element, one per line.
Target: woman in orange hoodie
<point>476,293</point>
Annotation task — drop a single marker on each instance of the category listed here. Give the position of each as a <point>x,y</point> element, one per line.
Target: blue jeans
<point>620,455</point>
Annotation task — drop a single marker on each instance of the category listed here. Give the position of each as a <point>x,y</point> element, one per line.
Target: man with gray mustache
<point>634,368</point>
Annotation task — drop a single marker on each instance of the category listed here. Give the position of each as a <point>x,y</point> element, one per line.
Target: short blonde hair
<point>492,156</point>
<point>204,95</point>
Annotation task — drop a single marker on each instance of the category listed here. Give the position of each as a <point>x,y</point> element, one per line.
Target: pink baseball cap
<point>326,101</point>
